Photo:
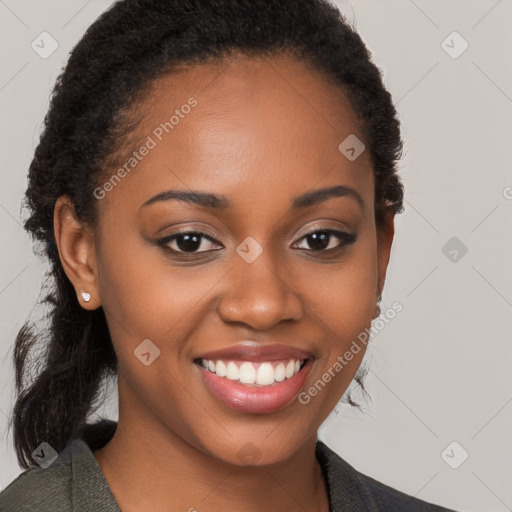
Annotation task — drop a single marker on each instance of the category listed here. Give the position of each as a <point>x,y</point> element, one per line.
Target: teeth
<point>247,373</point>
<point>220,369</point>
<point>262,374</point>
<point>280,372</point>
<point>232,372</point>
<point>290,368</point>
<point>265,374</point>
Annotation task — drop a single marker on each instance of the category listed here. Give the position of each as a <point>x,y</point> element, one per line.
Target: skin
<point>263,132</point>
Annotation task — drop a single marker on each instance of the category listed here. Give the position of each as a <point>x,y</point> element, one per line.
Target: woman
<point>215,187</point>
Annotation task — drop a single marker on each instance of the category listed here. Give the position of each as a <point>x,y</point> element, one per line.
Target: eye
<point>187,242</point>
<point>321,240</point>
<point>190,242</point>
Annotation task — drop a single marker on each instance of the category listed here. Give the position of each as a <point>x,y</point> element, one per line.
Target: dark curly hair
<point>60,369</point>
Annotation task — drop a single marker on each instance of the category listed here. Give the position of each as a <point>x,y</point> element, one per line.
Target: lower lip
<point>256,399</point>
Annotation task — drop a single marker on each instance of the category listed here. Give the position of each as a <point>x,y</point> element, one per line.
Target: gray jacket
<point>75,482</point>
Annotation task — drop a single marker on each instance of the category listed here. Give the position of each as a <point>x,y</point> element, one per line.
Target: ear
<point>77,252</point>
<point>385,234</point>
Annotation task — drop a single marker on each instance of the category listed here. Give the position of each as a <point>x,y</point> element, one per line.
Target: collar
<point>347,492</point>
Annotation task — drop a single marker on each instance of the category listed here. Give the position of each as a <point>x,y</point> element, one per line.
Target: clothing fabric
<point>74,482</point>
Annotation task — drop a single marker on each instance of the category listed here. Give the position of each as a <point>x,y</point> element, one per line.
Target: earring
<point>86,296</point>
<point>377,307</point>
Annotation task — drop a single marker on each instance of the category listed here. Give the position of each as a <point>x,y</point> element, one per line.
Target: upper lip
<point>255,352</point>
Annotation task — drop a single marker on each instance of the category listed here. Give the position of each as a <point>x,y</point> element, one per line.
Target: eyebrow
<point>208,200</point>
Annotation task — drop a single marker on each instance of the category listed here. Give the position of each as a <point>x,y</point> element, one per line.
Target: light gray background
<point>441,370</point>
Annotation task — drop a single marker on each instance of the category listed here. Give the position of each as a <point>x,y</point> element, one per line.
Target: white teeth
<point>220,369</point>
<point>232,372</point>
<point>265,375</point>
<point>247,373</point>
<point>280,372</point>
<point>290,368</point>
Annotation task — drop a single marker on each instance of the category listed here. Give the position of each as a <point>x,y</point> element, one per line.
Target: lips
<point>254,352</point>
<point>254,378</point>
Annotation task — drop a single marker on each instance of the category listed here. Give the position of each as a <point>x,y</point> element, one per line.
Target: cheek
<point>344,303</point>
<point>345,295</point>
<point>145,296</point>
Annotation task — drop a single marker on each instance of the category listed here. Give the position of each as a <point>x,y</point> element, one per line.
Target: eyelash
<point>345,237</point>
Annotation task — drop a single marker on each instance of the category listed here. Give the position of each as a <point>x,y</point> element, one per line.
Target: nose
<point>259,294</point>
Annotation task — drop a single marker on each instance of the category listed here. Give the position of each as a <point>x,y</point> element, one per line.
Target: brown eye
<point>322,240</point>
<point>188,242</point>
<point>195,242</point>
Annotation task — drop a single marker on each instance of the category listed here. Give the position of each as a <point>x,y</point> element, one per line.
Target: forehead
<point>268,126</point>
<point>275,91</point>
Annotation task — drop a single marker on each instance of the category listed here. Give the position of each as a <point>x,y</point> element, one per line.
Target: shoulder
<point>72,482</point>
<point>389,498</point>
<point>40,488</point>
<point>350,488</point>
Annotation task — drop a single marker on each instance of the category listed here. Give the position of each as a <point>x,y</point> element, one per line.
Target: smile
<point>261,373</point>
<point>253,378</point>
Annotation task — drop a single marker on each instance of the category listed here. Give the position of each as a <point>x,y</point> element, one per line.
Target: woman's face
<point>260,136</point>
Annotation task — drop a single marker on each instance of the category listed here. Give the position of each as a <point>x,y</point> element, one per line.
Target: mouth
<point>259,374</point>
<point>255,379</point>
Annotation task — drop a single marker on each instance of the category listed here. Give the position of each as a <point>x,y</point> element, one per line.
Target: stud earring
<point>86,296</point>
<point>377,308</point>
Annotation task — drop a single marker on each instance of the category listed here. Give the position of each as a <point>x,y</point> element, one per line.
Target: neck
<point>149,467</point>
